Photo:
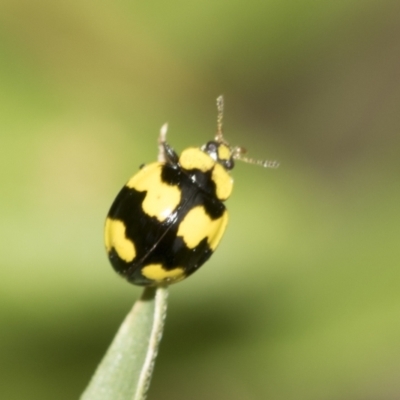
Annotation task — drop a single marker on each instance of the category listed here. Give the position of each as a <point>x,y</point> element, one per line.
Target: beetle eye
<point>211,147</point>
<point>229,164</point>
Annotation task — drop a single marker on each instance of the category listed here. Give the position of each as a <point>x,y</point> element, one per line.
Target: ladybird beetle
<point>169,218</point>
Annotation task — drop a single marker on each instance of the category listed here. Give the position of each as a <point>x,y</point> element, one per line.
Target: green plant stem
<point>126,369</point>
<point>160,313</point>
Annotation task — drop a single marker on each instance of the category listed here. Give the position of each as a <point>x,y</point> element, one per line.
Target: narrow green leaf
<point>126,369</point>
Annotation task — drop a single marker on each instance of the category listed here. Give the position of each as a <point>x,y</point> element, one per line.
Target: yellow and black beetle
<point>169,218</point>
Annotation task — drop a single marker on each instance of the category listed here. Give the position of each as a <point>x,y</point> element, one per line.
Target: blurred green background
<point>302,299</point>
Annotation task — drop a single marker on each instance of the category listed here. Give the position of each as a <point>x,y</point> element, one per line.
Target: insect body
<point>169,218</point>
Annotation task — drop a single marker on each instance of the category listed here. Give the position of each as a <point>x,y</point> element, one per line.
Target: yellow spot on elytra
<point>223,182</point>
<point>197,225</point>
<point>115,237</point>
<point>193,157</point>
<point>161,199</point>
<point>156,272</point>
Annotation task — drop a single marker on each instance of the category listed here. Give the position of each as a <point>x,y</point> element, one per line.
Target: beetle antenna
<point>238,154</point>
<point>220,108</point>
<point>261,163</point>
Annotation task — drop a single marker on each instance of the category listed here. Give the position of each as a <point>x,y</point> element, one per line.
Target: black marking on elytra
<point>157,242</point>
<point>170,175</point>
